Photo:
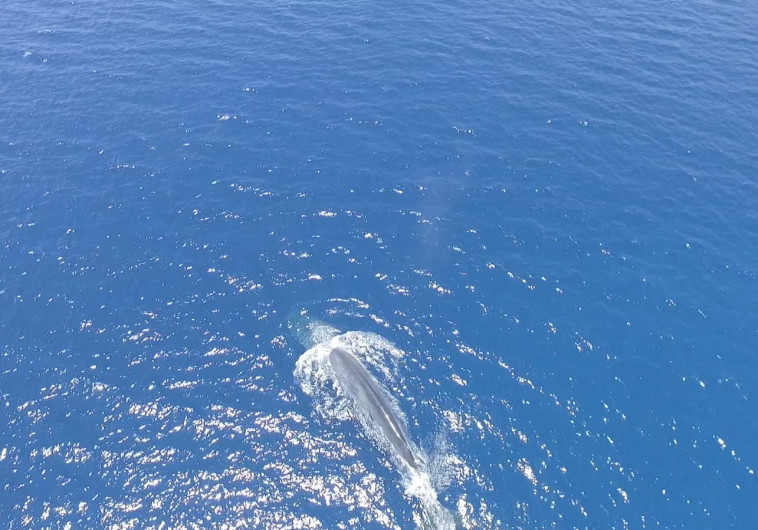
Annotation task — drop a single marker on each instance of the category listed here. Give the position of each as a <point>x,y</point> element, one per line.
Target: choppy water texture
<point>549,208</point>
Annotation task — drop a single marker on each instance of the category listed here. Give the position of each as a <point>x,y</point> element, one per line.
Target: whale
<point>371,400</point>
<point>336,371</point>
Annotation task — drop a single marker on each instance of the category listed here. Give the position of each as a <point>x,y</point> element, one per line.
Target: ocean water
<point>549,212</point>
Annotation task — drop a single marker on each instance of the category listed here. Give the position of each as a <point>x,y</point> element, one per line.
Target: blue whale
<point>370,398</point>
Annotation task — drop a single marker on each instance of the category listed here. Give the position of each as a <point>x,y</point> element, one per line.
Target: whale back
<point>371,400</point>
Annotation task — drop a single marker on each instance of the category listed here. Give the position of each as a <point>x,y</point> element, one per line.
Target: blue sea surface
<point>550,208</point>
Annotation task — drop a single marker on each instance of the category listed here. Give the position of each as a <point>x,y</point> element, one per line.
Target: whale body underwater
<point>371,400</point>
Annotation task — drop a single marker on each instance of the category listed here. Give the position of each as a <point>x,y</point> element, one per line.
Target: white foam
<point>433,515</point>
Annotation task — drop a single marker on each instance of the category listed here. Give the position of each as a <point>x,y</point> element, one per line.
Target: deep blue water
<point>551,208</point>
